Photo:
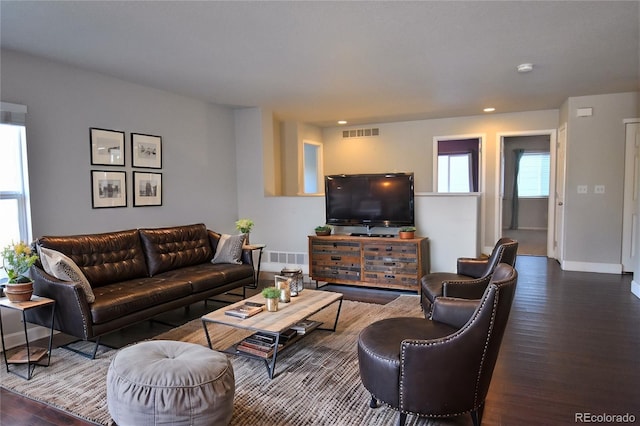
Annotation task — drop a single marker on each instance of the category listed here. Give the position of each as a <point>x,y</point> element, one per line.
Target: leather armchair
<point>471,278</point>
<point>440,367</point>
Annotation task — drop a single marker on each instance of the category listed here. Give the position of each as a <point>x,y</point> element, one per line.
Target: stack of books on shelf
<point>259,344</point>
<point>246,310</point>
<point>305,326</point>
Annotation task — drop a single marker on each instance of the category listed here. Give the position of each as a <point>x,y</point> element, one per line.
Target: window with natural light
<point>454,173</point>
<point>533,175</point>
<point>312,167</point>
<point>14,199</point>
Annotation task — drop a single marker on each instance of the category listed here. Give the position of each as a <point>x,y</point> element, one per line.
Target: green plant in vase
<point>271,294</point>
<point>17,259</point>
<point>323,230</point>
<point>407,232</point>
<point>244,226</point>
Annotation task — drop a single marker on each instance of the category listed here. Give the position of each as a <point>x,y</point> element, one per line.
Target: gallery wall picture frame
<point>108,189</point>
<point>107,147</point>
<point>146,151</point>
<point>147,189</point>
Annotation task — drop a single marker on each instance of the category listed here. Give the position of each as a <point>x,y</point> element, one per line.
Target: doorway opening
<point>526,195</point>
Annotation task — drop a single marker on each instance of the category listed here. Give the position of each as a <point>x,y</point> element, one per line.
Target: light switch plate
<point>583,189</point>
<point>598,189</point>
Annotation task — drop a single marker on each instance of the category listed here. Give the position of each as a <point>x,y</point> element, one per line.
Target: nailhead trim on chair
<point>453,336</point>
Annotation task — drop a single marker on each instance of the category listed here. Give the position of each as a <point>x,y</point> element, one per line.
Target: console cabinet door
<point>335,261</point>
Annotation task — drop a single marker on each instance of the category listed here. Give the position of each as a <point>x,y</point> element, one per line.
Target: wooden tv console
<point>381,262</point>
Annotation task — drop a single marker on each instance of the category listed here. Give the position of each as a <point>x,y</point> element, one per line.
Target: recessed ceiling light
<point>489,109</point>
<point>525,67</point>
<point>342,122</point>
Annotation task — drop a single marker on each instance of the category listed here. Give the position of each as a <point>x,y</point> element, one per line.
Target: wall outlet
<point>583,189</point>
<point>598,189</point>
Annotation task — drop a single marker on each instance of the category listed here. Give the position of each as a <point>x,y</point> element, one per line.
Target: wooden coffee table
<point>301,307</point>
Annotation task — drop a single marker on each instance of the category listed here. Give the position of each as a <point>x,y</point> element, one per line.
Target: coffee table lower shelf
<point>270,360</point>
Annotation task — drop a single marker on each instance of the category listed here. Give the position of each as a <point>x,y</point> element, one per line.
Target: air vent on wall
<point>360,133</point>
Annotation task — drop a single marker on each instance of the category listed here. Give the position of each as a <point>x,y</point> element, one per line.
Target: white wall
<point>595,156</point>
<point>63,103</point>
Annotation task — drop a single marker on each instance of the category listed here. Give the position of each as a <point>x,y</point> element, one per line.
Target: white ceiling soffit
<point>365,62</point>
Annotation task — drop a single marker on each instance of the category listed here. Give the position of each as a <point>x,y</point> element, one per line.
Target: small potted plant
<point>17,259</point>
<point>323,230</point>
<point>272,294</point>
<point>407,232</point>
<point>244,226</point>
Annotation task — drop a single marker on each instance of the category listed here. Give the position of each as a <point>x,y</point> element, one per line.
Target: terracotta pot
<point>272,305</point>
<point>323,233</point>
<point>19,292</point>
<point>404,235</point>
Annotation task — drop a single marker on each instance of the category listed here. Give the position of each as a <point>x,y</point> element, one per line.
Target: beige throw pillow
<point>65,269</point>
<point>229,249</point>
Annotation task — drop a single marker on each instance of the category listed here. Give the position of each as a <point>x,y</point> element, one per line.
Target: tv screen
<point>370,199</point>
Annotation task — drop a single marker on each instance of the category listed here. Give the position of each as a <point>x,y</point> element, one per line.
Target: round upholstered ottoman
<point>163,382</point>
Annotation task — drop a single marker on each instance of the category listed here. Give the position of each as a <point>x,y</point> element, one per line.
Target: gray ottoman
<point>163,382</point>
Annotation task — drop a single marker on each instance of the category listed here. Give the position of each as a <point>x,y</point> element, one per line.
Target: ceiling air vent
<point>360,133</point>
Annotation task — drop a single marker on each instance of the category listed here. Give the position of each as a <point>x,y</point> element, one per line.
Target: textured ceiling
<point>365,62</point>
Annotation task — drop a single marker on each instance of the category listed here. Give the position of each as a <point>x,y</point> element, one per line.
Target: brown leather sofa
<point>134,275</point>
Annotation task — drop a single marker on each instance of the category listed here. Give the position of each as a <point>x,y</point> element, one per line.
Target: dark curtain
<point>517,153</point>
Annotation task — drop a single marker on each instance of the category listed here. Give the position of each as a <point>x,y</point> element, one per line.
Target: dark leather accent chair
<point>440,367</point>
<point>472,277</point>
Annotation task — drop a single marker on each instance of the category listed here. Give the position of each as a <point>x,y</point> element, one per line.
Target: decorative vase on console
<point>407,233</point>
<point>17,259</point>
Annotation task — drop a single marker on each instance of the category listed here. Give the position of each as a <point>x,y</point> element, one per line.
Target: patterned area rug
<point>316,383</point>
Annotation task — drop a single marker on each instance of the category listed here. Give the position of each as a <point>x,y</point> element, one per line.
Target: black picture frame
<point>146,151</point>
<point>107,147</point>
<point>108,189</point>
<point>147,189</point>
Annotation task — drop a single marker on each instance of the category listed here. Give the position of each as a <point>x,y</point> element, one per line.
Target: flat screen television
<point>385,199</point>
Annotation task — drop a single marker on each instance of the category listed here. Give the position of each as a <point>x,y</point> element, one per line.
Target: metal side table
<point>28,354</point>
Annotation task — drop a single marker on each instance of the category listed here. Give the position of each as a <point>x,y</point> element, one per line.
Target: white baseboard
<point>604,268</point>
<point>635,288</point>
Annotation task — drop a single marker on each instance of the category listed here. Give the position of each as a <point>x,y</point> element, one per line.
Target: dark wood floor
<point>571,347</point>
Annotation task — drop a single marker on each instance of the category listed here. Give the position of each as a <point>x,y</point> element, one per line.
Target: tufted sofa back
<point>103,258</point>
<point>176,247</point>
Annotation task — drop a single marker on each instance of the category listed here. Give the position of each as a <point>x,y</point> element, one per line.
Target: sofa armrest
<point>247,256</point>
<point>453,311</point>
<point>472,267</point>
<point>72,314</point>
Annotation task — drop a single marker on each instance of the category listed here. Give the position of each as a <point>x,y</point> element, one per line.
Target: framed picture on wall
<point>147,189</point>
<point>146,151</point>
<point>107,147</point>
<point>108,189</point>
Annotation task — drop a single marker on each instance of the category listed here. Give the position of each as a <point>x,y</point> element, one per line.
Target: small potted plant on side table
<point>407,232</point>
<point>323,230</point>
<point>244,226</point>
<point>17,259</point>
<point>271,294</point>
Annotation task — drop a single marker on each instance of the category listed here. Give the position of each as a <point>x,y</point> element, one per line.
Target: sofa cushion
<point>64,269</point>
<point>229,249</point>
<point>120,299</point>
<point>103,258</point>
<point>176,247</point>
<point>208,276</point>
